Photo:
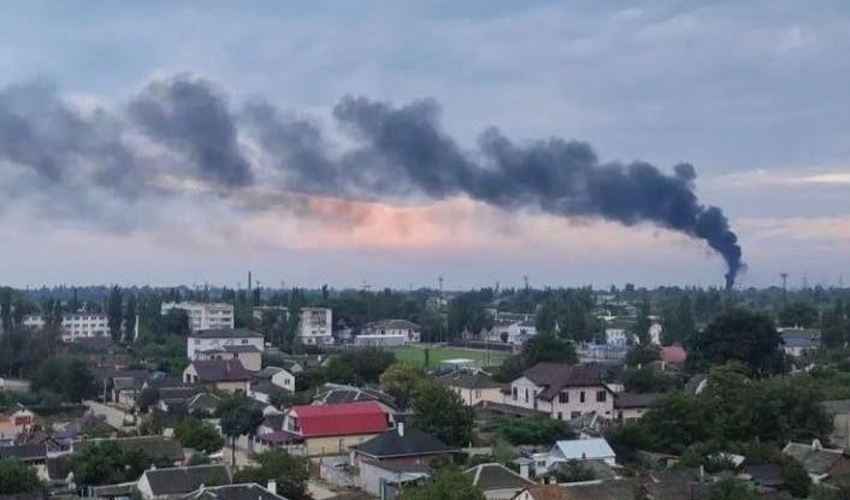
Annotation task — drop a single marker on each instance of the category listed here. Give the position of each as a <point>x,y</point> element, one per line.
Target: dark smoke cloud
<point>399,152</point>
<point>190,116</point>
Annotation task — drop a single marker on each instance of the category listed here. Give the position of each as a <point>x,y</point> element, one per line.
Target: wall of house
<point>630,415</point>
<point>234,387</point>
<point>284,380</point>
<point>332,445</point>
<point>371,477</point>
<point>144,487</point>
<point>574,407</point>
<point>471,397</point>
<point>190,375</point>
<point>524,394</point>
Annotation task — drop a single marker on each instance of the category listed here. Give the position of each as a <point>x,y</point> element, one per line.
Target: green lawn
<point>416,355</point>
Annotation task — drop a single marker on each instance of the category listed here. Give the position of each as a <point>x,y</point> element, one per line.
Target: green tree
<point>291,473</point>
<point>733,489</point>
<point>541,348</point>
<point>6,309</point>
<point>363,366</point>
<point>130,313</point>
<point>68,376</point>
<point>441,412</point>
<point>199,435</point>
<point>401,381</point>
<point>678,322</point>
<point>103,462</point>
<point>642,355</point>
<point>449,483</point>
<point>835,325</point>
<point>238,418</point>
<point>114,313</point>
<point>799,314</point>
<point>531,431</point>
<point>739,335</point>
<point>640,329</point>
<point>16,477</point>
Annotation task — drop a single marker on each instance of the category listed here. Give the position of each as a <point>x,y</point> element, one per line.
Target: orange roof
<point>673,354</point>
<point>548,492</point>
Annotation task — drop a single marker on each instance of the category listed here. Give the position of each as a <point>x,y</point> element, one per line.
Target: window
<point>560,416</point>
<point>581,397</point>
<point>514,393</point>
<point>526,395</point>
<point>197,341</point>
<point>564,398</point>
<point>601,396</point>
<point>575,415</point>
<point>477,393</point>
<point>244,341</point>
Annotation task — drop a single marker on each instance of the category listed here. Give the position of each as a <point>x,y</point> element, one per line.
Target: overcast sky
<point>753,94</point>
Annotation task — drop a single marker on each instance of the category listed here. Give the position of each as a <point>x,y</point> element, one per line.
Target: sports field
<point>415,355</point>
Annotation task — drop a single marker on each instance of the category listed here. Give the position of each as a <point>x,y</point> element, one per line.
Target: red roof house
<point>673,355</point>
<point>324,429</point>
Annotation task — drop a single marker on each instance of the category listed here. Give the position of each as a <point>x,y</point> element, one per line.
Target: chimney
<point>816,445</point>
<point>523,470</point>
<point>400,427</point>
<point>272,487</point>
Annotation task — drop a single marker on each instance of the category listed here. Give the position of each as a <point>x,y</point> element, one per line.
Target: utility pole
<point>440,308</point>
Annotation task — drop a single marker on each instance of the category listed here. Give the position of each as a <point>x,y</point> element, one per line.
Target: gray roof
<point>226,333</point>
<point>392,443</point>
<point>268,372</point>
<point>815,460</point>
<point>24,452</point>
<point>494,476</point>
<point>617,489</point>
<point>392,324</point>
<point>556,376</point>
<point>239,349</point>
<point>114,490</point>
<point>152,446</point>
<point>468,380</point>
<point>178,480</point>
<point>333,394</point>
<point>176,393</point>
<point>250,491</point>
<point>204,401</point>
<point>221,370</point>
<point>626,400</point>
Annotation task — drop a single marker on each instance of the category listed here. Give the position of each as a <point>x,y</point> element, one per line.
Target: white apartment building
<point>315,326</point>
<point>74,326</point>
<point>389,332</point>
<point>203,316</point>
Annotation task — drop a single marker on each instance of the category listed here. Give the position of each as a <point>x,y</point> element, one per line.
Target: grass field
<point>415,355</point>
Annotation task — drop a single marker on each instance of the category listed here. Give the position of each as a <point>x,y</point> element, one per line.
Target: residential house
<point>175,398</point>
<point>799,341</point>
<point>403,444</point>
<point>511,329</point>
<point>330,429</point>
<point>226,375</point>
<point>315,326</point>
<point>250,357</point>
<point>177,482</point>
<point>226,343</point>
<point>580,450</point>
<point>263,390</point>
<point>278,376</point>
<point>630,407</point>
<point>389,332</point>
<point>204,403</point>
<point>619,489</point>
<point>821,463</point>
<point>386,480</point>
<point>603,353</point>
<point>672,356</point>
<point>12,424</point>
<point>203,316</point>
<point>334,394</point>
<point>472,386</point>
<point>564,392</point>
<point>244,491</point>
<point>497,481</point>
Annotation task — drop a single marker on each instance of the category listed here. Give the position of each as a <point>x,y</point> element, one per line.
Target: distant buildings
<point>231,343</point>
<point>203,316</point>
<point>389,332</point>
<point>74,326</point>
<point>315,326</point>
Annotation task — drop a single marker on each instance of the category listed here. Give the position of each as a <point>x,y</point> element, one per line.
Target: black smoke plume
<point>399,152</point>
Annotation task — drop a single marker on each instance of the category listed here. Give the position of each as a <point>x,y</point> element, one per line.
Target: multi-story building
<point>203,316</point>
<point>389,332</point>
<point>315,326</point>
<point>563,392</point>
<point>74,326</point>
<point>226,343</point>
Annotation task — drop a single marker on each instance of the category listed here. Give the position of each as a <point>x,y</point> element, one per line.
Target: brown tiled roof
<point>556,376</point>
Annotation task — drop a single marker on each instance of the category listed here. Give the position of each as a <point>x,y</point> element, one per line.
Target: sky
<point>100,185</point>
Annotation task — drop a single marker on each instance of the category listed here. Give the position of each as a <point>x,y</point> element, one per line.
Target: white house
<point>233,339</point>
<point>563,392</point>
<point>408,331</point>
<point>617,336</point>
<point>579,450</point>
<point>75,325</point>
<point>277,376</point>
<point>315,326</point>
<point>203,316</point>
<point>511,331</point>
